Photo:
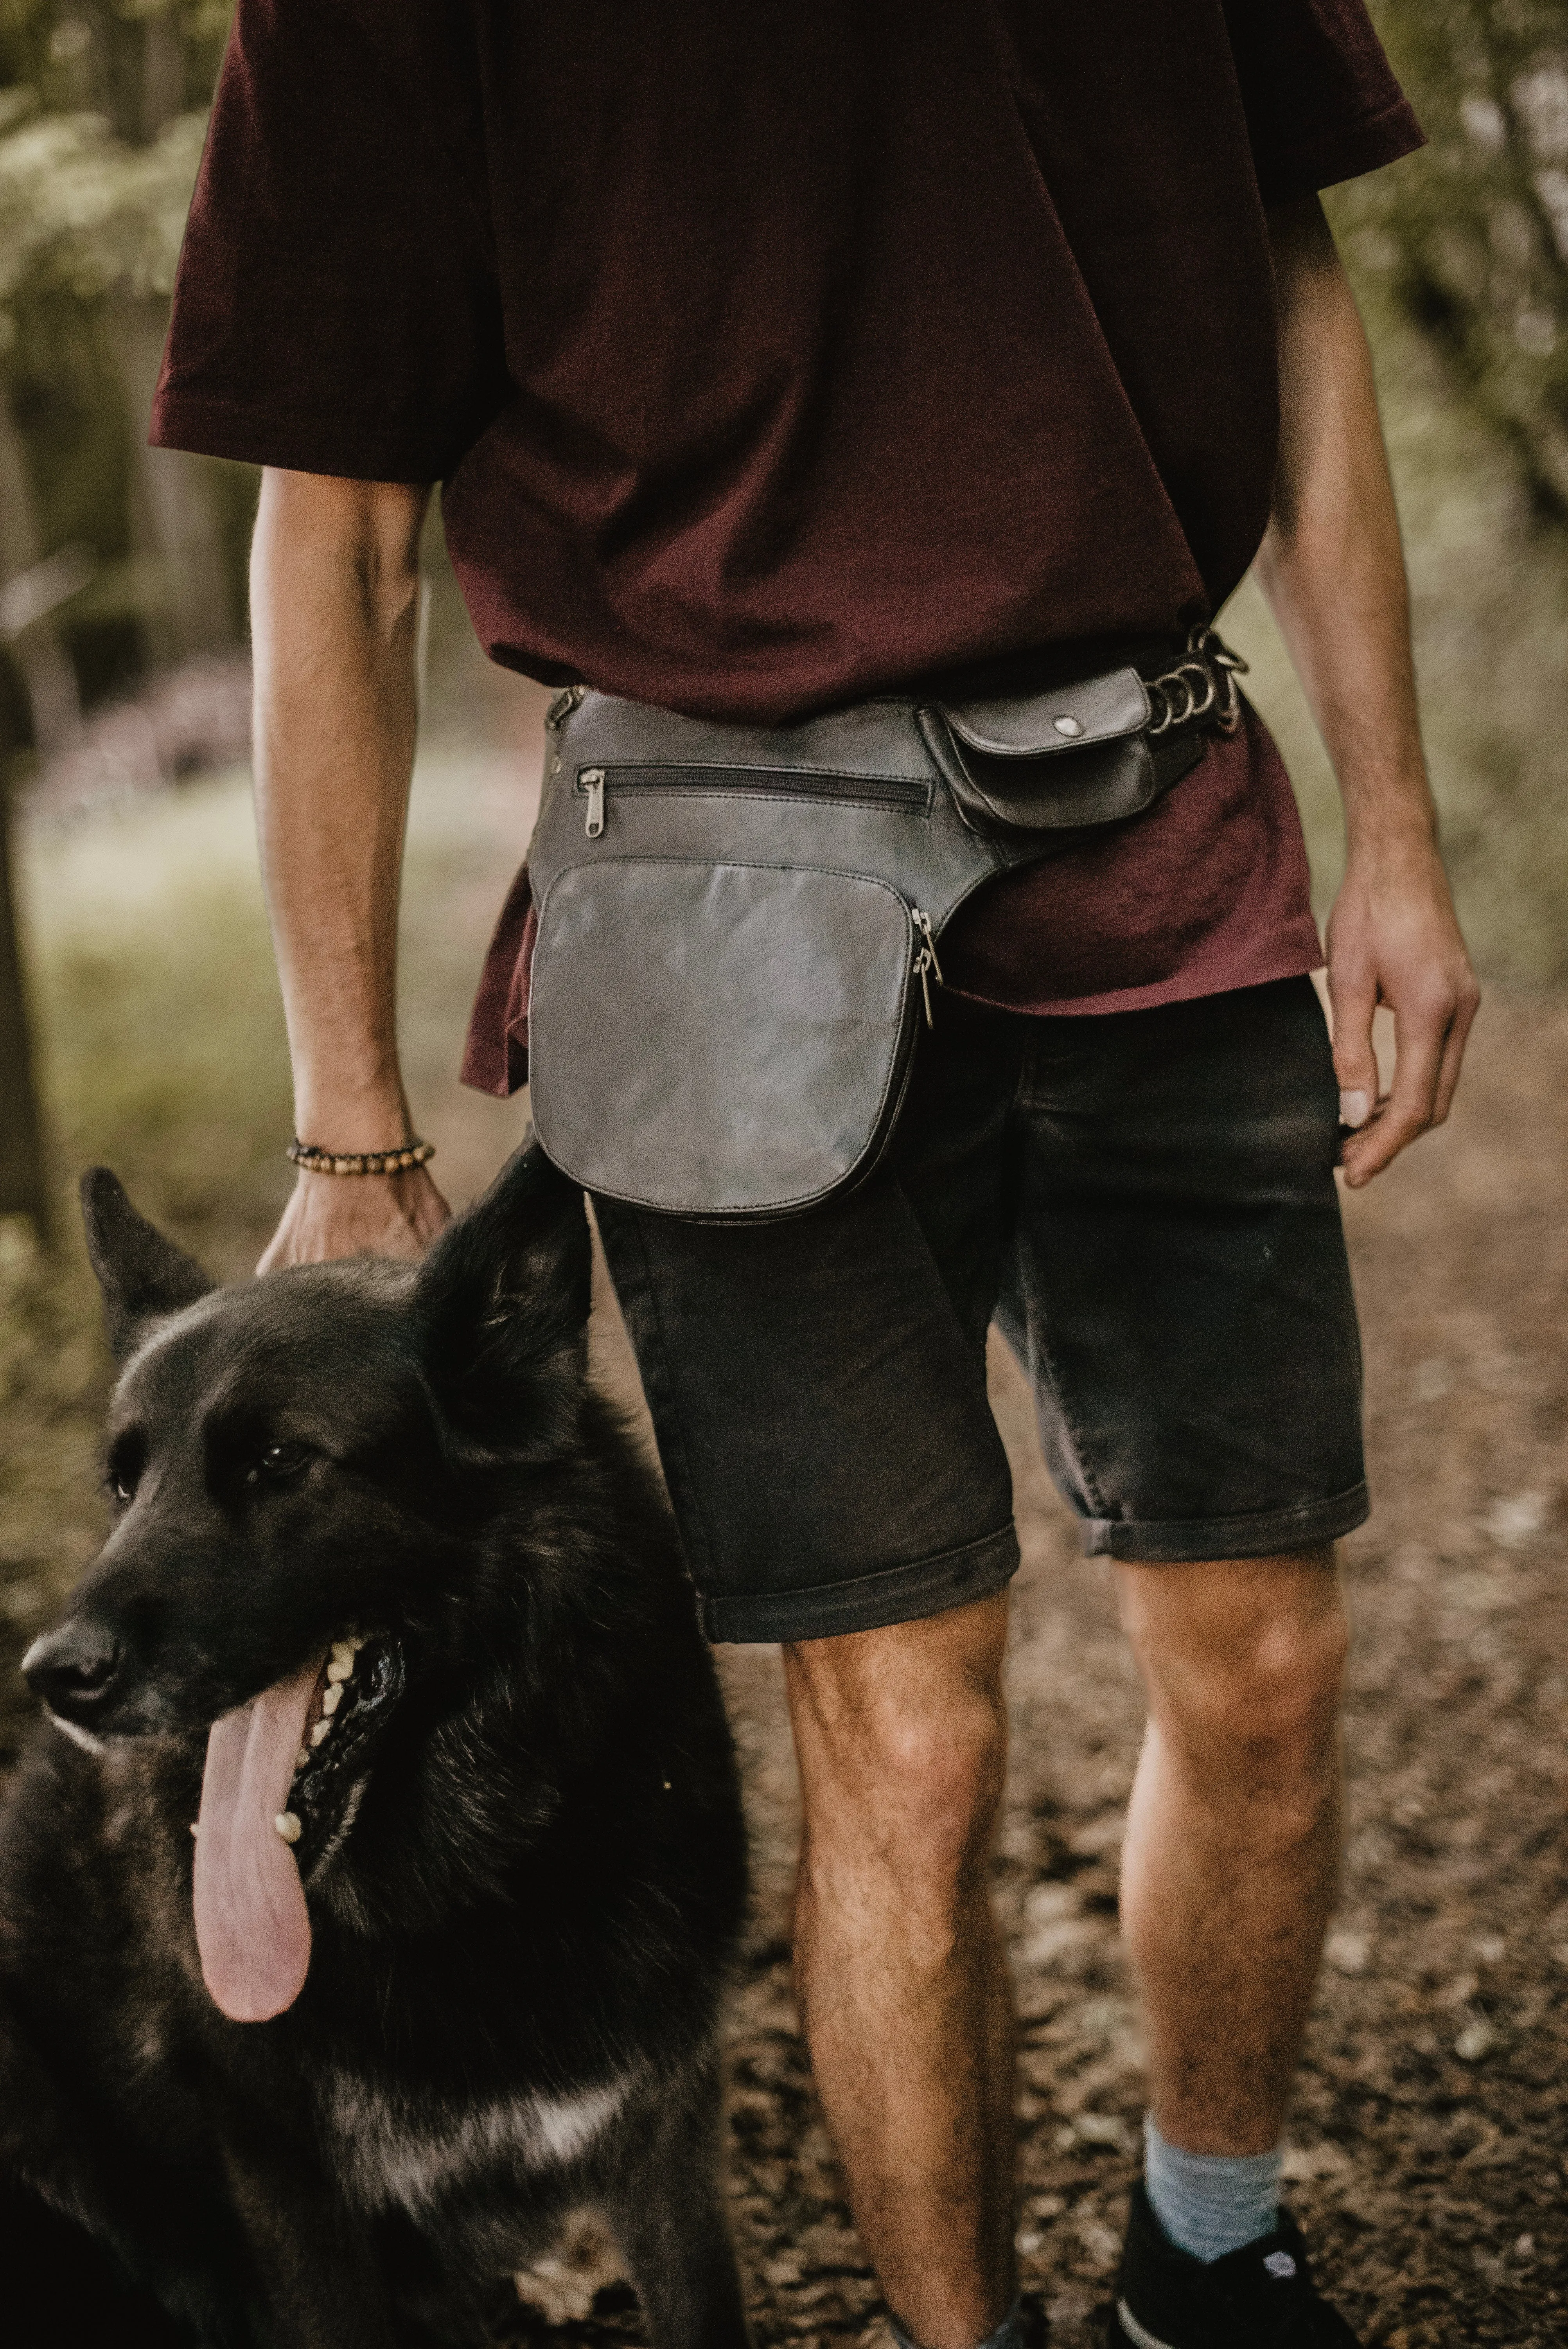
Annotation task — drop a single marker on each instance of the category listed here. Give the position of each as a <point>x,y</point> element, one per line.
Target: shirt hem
<point>1184,986</point>
<point>200,427</point>
<point>1376,139</point>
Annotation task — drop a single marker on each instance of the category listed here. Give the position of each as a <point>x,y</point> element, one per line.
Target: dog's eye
<point>123,1474</point>
<point>278,1462</point>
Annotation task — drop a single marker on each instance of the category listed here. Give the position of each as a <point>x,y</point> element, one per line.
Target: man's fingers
<point>1420,1040</point>
<point>1355,1061</point>
<point>1393,940</point>
<point>1454,1051</point>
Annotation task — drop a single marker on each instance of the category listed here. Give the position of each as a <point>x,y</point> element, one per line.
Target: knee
<point>1281,1686</point>
<point>910,1796</point>
<point>902,1740</point>
<point>1257,1696</point>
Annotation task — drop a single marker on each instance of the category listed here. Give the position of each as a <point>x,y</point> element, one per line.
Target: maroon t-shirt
<point>777,353</point>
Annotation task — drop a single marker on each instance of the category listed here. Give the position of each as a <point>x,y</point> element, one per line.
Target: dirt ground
<point>1428,2146</point>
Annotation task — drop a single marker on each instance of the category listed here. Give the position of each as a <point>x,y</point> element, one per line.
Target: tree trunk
<point>172,517</point>
<point>23,1187</point>
<point>41,659</point>
<point>51,687</point>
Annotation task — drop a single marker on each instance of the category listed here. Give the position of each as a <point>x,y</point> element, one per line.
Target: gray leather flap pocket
<point>1059,718</point>
<point>718,1040</point>
<point>1062,760</point>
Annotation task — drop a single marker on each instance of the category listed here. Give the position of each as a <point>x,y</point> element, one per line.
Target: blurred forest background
<point>122,569</point>
<point>120,564</point>
<point>1427,2149</point>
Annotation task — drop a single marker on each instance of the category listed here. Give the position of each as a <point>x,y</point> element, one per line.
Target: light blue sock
<point>1011,2334</point>
<point>1210,2203</point>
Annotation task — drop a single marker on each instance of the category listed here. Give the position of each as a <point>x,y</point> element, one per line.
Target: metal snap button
<point>1068,725</point>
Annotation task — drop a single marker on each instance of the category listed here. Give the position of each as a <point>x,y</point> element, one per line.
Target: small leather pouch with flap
<point>1057,761</point>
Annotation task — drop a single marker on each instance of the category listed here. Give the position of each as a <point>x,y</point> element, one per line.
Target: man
<point>770,359</point>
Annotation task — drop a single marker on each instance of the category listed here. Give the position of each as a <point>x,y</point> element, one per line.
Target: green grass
<point>160,1026</point>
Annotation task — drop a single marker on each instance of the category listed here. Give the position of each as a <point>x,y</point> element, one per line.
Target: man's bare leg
<point>1228,1879</point>
<point>902,1740</point>
<point>1232,1837</point>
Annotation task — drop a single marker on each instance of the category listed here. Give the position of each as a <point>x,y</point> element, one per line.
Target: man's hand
<point>1393,938</point>
<point>1332,567</point>
<point>332,1216</point>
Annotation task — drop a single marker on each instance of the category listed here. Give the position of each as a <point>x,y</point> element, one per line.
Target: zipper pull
<point>926,967</point>
<point>592,781</point>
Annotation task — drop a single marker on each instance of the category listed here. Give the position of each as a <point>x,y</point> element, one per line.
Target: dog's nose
<point>74,1668</point>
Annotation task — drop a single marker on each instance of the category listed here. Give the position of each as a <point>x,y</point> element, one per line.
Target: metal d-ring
<point>1170,685</point>
<point>1216,668</point>
<point>1205,676</point>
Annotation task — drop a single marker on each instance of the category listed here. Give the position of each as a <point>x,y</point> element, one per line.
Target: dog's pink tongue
<point>252,1927</point>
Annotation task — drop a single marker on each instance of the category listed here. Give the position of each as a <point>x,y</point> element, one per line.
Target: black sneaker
<point>1261,2297</point>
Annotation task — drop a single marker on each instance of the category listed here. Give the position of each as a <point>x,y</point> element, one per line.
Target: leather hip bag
<point>739,926</point>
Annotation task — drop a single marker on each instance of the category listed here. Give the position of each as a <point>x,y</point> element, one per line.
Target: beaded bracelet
<point>316,1161</point>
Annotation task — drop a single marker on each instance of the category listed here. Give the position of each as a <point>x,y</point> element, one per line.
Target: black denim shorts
<point>1143,1201</point>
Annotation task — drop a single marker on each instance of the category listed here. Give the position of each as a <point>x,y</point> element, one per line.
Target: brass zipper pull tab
<point>592,781</point>
<point>926,967</point>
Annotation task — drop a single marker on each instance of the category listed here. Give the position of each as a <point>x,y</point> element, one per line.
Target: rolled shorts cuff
<point>1270,1533</point>
<point>898,1594</point>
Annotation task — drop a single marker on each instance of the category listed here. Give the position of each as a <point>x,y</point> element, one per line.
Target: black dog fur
<point>525,1880</point>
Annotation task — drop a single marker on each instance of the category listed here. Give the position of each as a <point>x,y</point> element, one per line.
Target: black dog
<point>439,1969</point>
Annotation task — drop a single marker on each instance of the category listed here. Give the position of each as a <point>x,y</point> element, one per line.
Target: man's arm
<point>335,593</point>
<point>1333,572</point>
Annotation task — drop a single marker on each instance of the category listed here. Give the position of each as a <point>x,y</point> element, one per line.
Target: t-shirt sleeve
<point>335,309</point>
<point>1322,102</point>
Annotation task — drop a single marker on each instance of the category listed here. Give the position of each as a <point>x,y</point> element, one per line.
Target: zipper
<point>926,967</point>
<point>744,782</point>
<point>592,781</point>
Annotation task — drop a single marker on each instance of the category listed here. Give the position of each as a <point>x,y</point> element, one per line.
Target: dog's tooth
<point>302,1757</point>
<point>288,1827</point>
<point>342,1654</point>
<point>319,1732</point>
<point>331,1698</point>
<point>336,1671</point>
<point>195,1827</point>
<point>358,1641</point>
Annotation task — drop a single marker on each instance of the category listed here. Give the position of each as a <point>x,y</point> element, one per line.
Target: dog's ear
<point>504,1296</point>
<point>141,1273</point>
